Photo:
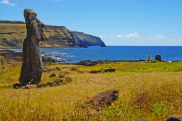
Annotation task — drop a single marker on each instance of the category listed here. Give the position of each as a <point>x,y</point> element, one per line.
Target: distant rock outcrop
<point>12,22</point>
<point>87,40</point>
<point>12,34</point>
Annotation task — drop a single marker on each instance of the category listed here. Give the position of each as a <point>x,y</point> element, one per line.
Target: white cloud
<point>7,2</point>
<point>128,35</point>
<point>102,36</point>
<point>159,37</point>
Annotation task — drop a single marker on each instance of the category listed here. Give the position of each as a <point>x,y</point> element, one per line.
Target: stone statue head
<point>34,25</point>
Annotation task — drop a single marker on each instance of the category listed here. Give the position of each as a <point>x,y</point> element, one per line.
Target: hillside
<point>87,40</point>
<point>12,35</point>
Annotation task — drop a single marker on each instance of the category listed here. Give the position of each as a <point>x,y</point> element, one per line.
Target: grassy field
<point>147,90</point>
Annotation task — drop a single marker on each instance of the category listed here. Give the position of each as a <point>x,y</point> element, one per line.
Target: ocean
<point>73,55</point>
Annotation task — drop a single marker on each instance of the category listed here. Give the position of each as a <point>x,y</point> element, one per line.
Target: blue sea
<point>73,55</point>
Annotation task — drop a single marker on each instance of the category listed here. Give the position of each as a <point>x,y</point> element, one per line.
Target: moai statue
<point>148,58</point>
<point>158,58</point>
<point>31,70</point>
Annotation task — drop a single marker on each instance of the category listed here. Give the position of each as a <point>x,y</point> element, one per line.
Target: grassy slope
<point>159,83</point>
<point>12,35</point>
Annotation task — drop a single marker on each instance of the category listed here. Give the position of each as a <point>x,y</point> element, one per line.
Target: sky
<point>117,22</point>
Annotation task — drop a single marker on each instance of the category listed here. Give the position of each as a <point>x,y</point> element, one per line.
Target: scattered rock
<point>62,60</point>
<point>17,56</point>
<point>48,60</point>
<point>46,69</point>
<point>95,72</point>
<point>61,75</point>
<point>57,69</point>
<point>81,72</point>
<point>52,75</point>
<point>87,63</point>
<point>58,82</point>
<point>66,72</point>
<point>102,70</point>
<point>74,69</point>
<point>68,79</point>
<point>158,58</point>
<point>49,84</point>
<point>17,85</point>
<point>109,70</point>
<point>174,118</point>
<point>41,85</point>
<point>9,55</point>
<point>103,99</point>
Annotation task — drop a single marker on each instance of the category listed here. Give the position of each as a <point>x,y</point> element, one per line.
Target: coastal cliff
<point>87,40</point>
<point>58,36</point>
<point>12,34</point>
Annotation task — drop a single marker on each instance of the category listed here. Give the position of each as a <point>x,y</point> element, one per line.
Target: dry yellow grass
<point>162,90</point>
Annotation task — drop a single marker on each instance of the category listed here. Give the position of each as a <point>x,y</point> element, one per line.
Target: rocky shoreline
<point>10,55</point>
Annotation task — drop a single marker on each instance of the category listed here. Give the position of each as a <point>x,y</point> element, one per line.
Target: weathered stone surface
<point>48,60</point>
<point>158,58</point>
<point>103,70</point>
<point>41,85</point>
<point>103,99</point>
<point>31,70</point>
<point>109,70</point>
<point>174,118</point>
<point>95,71</point>
<point>46,69</point>
<point>58,82</point>
<point>50,84</point>
<point>17,85</point>
<point>87,63</point>
<point>61,75</point>
<point>52,75</point>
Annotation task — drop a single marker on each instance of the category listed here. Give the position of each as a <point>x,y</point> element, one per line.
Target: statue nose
<point>39,23</point>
